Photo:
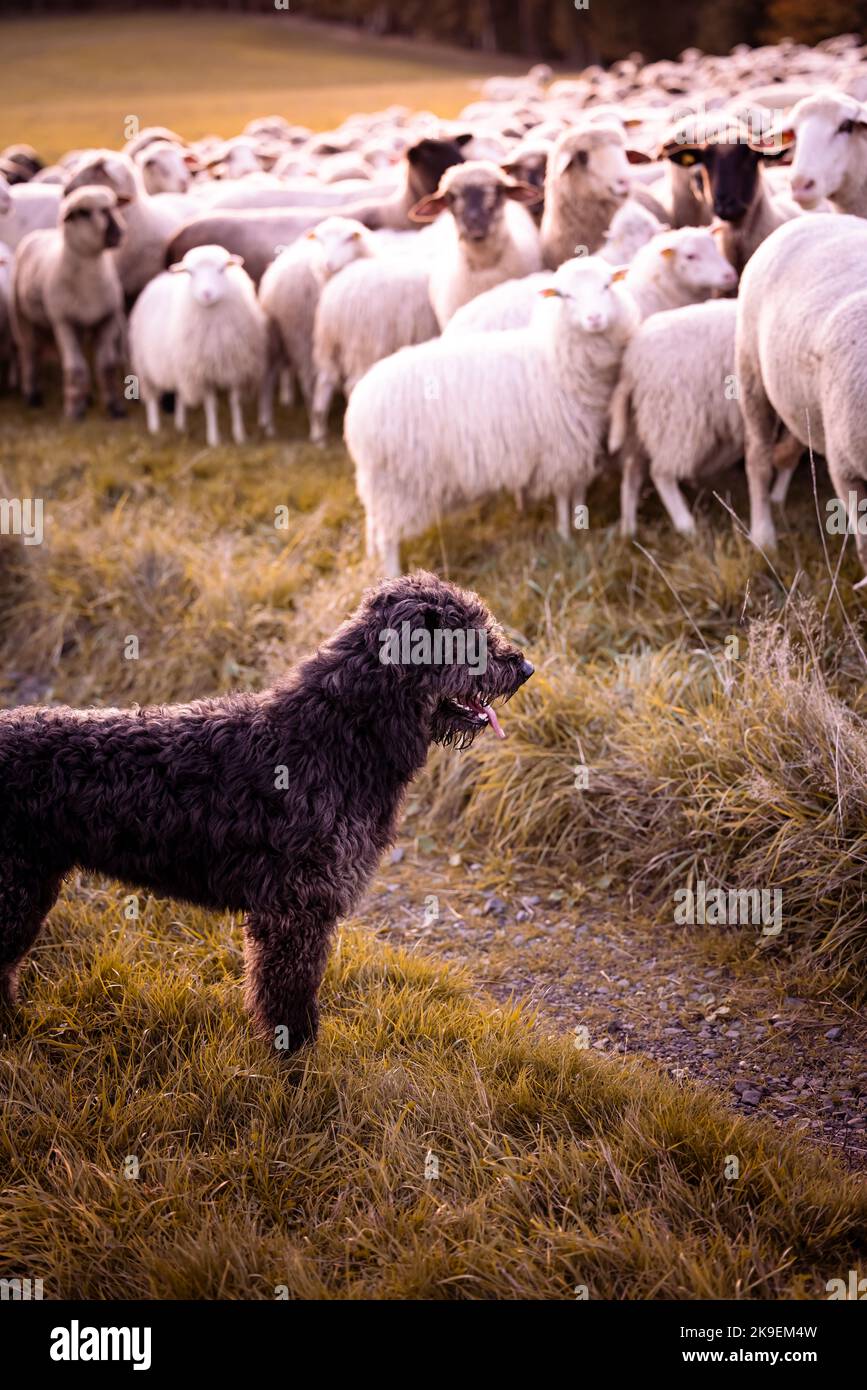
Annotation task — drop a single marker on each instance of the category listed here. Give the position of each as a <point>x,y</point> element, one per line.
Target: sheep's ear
<point>620,273</point>
<point>429,209</point>
<point>562,163</point>
<point>191,159</point>
<point>684,155</point>
<point>523,192</point>
<point>638,157</point>
<point>667,252</point>
<point>463,139</point>
<point>774,143</point>
<point>234,259</point>
<point>355,236</point>
<point>178,269</point>
<point>310,236</point>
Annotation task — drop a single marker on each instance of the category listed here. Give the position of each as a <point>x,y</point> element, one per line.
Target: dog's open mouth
<point>459,721</point>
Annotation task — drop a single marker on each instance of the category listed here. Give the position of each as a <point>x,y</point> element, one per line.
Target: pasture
<point>523,903</point>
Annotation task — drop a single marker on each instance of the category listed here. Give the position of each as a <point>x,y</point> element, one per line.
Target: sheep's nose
<point>619,187</point>
<point>593,320</point>
<point>525,670</point>
<point>801,184</point>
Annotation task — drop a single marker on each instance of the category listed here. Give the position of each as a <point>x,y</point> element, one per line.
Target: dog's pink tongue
<point>493,720</point>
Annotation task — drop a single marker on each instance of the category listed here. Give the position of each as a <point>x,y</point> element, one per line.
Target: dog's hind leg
<point>285,958</point>
<point>27,894</point>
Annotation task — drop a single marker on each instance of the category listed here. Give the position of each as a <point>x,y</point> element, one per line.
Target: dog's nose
<point>525,670</point>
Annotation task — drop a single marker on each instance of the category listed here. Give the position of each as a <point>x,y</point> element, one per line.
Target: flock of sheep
<point>663,263</point>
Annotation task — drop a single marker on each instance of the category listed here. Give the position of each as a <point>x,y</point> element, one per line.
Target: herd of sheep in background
<point>505,300</point>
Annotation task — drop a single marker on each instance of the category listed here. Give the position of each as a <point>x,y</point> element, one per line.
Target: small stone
<point>397,854</point>
<point>799,1083</point>
<point>751,1097</point>
<point>833,1034</point>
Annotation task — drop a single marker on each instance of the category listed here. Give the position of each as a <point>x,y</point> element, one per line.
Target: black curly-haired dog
<point>276,804</point>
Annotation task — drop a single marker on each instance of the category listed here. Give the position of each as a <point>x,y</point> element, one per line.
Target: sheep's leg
<point>760,423</point>
<point>631,483</point>
<point>180,413</point>
<point>28,364</point>
<point>76,376</point>
<point>518,495</point>
<point>674,502</point>
<point>849,485</point>
<point>323,393</point>
<point>564,516</point>
<point>152,409</point>
<point>266,398</point>
<point>212,429</point>
<point>107,361</point>
<point>390,554</point>
<point>787,455</point>
<point>238,432</point>
<point>287,387</point>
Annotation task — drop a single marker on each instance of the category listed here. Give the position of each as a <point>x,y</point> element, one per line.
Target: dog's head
<point>444,653</point>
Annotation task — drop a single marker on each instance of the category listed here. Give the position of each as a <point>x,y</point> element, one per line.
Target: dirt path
<point>696,1006</point>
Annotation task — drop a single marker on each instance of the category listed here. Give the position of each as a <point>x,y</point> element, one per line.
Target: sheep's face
<point>730,173</point>
<point>476,195</point>
<point>166,168</point>
<point>585,290</point>
<point>446,654</point>
<point>90,221</point>
<point>334,244</point>
<point>209,269</point>
<point>697,262</point>
<point>587,164</point>
<point>824,130</point>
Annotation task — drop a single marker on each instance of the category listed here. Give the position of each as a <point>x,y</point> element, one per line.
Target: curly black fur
<point>278,805</point>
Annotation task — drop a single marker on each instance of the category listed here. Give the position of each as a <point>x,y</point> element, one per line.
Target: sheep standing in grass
<point>802,323</point>
<point>65,285</point>
<point>674,412</point>
<point>443,423</point>
<point>488,236</point>
<point>289,293</point>
<point>195,330</point>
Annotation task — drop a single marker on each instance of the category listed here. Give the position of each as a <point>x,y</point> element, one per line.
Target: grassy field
<point>73,81</point>
<point>149,1144</point>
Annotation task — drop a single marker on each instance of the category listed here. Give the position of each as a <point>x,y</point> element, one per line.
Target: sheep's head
<point>107,168</point>
<point>334,243</point>
<point>728,159</point>
<point>90,220</point>
<point>528,164</point>
<point>166,167</point>
<point>428,159</point>
<point>591,161</point>
<point>691,256</point>
<point>209,269</point>
<point>587,292</point>
<point>824,129</point>
<point>475,194</point>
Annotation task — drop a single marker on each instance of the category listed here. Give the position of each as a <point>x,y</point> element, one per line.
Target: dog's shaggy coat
<point>278,804</point>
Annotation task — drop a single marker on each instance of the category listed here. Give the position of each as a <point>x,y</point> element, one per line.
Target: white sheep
<point>676,268</point>
<point>802,317</point>
<point>829,131</point>
<point>289,293</point>
<point>630,228</point>
<point>166,167</point>
<point>369,311</point>
<point>195,330</point>
<point>65,285</point>
<point>488,236</point>
<point>675,412</point>
<point>443,423</point>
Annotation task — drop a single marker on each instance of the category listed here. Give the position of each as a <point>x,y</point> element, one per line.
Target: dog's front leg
<point>285,957</point>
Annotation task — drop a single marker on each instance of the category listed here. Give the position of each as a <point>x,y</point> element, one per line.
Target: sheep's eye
<point>690,255</point>
<point>581,157</point>
<point>846,128</point>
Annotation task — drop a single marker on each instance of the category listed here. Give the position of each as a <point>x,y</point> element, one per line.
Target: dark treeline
<point>555,29</point>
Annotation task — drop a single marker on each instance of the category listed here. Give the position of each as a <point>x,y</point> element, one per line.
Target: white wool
<point>631,227</point>
<point>366,313</point>
<point>675,413</point>
<point>676,268</point>
<point>26,207</point>
<point>443,423</point>
<point>802,316</point>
